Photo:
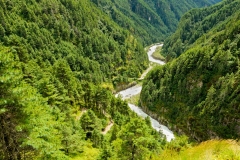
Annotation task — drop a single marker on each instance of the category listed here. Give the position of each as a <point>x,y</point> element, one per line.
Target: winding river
<point>128,93</point>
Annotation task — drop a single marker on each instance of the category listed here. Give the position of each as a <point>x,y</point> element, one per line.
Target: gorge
<point>62,61</point>
<point>128,93</point>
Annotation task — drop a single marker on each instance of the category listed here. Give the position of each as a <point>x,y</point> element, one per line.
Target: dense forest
<point>198,92</point>
<point>60,62</point>
<point>59,58</point>
<point>149,20</point>
<point>95,48</point>
<point>194,26</point>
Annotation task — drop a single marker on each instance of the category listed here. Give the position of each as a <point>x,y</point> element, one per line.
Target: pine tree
<point>135,141</point>
<point>12,99</point>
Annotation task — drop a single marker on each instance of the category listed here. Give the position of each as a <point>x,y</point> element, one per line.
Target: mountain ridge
<point>147,17</point>
<point>197,93</point>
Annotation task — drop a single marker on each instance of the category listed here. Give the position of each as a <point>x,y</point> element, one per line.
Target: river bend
<point>128,93</point>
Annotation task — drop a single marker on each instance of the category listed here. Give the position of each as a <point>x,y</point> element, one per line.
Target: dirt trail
<point>145,72</point>
<point>109,126</point>
<point>80,115</point>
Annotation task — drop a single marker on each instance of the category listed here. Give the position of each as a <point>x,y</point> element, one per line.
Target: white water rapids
<point>125,94</point>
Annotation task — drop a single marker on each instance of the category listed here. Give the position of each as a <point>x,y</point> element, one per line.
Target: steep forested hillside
<point>94,47</point>
<point>58,59</point>
<point>150,20</point>
<point>198,93</point>
<point>195,24</point>
<point>59,62</point>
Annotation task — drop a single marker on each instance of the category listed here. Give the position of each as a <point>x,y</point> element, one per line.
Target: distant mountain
<point>198,92</point>
<point>150,20</point>
<point>195,24</point>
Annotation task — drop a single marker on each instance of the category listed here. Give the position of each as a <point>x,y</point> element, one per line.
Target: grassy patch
<point>157,54</point>
<point>134,99</point>
<point>209,150</point>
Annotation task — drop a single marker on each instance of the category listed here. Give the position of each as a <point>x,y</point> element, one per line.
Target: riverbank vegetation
<point>59,58</point>
<point>198,92</point>
<point>134,99</point>
<point>60,62</point>
<point>39,114</point>
<point>157,54</point>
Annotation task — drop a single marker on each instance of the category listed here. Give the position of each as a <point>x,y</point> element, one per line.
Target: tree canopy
<point>198,92</point>
<point>150,21</point>
<point>59,58</point>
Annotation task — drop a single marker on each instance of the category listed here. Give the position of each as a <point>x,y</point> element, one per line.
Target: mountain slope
<point>198,93</point>
<point>151,21</point>
<point>196,23</point>
<point>92,44</point>
<point>59,58</point>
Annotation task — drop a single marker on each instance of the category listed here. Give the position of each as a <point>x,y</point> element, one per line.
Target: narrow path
<point>109,126</point>
<point>80,115</point>
<point>145,73</point>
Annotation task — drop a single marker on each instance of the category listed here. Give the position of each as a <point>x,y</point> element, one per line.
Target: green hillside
<point>58,62</point>
<point>209,150</point>
<point>150,20</point>
<point>195,24</point>
<point>95,48</point>
<point>198,92</point>
<point>61,61</point>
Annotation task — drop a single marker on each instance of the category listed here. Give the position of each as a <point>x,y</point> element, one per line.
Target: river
<point>125,94</point>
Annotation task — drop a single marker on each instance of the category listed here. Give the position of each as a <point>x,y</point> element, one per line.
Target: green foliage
<point>195,24</point>
<point>54,57</point>
<point>149,20</point>
<point>12,97</point>
<point>52,64</point>
<point>209,150</point>
<point>25,114</point>
<point>136,141</point>
<point>157,54</point>
<point>38,102</point>
<point>92,126</point>
<point>178,144</point>
<point>94,47</point>
<point>197,93</point>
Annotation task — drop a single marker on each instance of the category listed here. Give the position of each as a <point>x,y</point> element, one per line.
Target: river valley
<point>128,93</point>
